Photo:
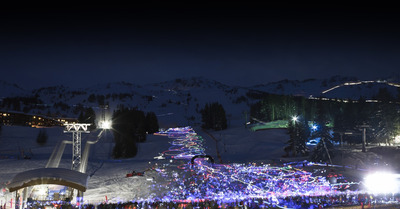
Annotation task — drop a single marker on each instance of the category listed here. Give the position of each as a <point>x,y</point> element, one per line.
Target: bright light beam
<point>381,183</point>
<point>105,124</point>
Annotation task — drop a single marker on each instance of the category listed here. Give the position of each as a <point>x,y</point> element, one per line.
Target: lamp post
<point>364,138</point>
<point>296,134</point>
<point>295,118</point>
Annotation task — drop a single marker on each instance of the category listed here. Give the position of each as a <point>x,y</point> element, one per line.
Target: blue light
<point>314,127</point>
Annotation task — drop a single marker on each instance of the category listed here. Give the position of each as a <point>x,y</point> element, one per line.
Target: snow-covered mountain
<point>334,87</point>
<point>302,88</point>
<point>11,89</point>
<point>176,102</point>
<point>179,101</point>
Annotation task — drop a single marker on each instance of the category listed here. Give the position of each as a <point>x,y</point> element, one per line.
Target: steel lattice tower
<point>76,129</point>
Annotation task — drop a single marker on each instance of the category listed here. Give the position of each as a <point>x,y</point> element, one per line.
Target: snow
<point>178,102</point>
<point>43,175</point>
<point>242,145</point>
<point>10,90</point>
<point>108,176</point>
<point>173,105</point>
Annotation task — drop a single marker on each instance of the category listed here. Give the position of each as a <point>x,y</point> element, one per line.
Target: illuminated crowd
<point>193,180</point>
<point>201,182</point>
<point>295,202</point>
<point>202,179</point>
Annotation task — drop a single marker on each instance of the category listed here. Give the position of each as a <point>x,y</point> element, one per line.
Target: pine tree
<point>304,135</point>
<point>220,122</point>
<point>81,118</point>
<point>384,95</point>
<point>214,117</point>
<point>206,117</point>
<point>292,139</point>
<point>324,149</point>
<point>385,122</point>
<point>129,129</point>
<point>299,133</point>
<point>42,137</point>
<point>88,116</point>
<point>398,95</point>
<point>151,123</point>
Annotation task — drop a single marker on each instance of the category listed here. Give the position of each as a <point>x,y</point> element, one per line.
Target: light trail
<point>231,182</point>
<point>353,84</point>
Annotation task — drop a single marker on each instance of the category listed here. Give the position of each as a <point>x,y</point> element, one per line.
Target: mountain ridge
<point>180,100</point>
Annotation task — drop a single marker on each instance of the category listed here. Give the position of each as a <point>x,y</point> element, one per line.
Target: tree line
<point>213,117</point>
<point>130,127</point>
<point>330,120</point>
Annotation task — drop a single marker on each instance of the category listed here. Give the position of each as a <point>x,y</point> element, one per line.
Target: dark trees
<point>324,149</point>
<point>129,128</point>
<point>42,137</point>
<point>347,117</point>
<point>88,116</point>
<point>214,117</point>
<point>385,122</point>
<point>299,133</point>
<point>280,107</point>
<point>151,123</point>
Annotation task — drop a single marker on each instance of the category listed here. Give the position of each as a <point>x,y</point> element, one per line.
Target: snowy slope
<point>348,87</point>
<point>10,90</point>
<point>108,176</point>
<point>178,102</point>
<point>302,88</point>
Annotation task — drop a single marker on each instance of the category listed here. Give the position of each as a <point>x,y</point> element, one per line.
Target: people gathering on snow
<point>295,202</point>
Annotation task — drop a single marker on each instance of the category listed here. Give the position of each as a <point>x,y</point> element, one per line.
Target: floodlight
<point>397,139</point>
<point>105,124</point>
<point>295,118</point>
<point>381,183</point>
<point>41,190</point>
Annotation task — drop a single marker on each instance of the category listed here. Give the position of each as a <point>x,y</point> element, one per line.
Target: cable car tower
<point>76,129</point>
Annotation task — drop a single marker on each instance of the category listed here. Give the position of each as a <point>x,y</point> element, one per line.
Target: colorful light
<point>230,182</point>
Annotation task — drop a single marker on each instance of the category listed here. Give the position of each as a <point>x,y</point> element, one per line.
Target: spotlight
<point>381,183</point>
<point>105,124</point>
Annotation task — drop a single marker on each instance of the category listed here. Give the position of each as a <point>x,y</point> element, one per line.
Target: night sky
<point>232,43</point>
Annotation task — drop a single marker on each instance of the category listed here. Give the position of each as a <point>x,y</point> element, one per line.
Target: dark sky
<point>232,43</point>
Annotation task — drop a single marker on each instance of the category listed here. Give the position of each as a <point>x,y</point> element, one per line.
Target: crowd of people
<point>297,202</point>
<point>203,185</point>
